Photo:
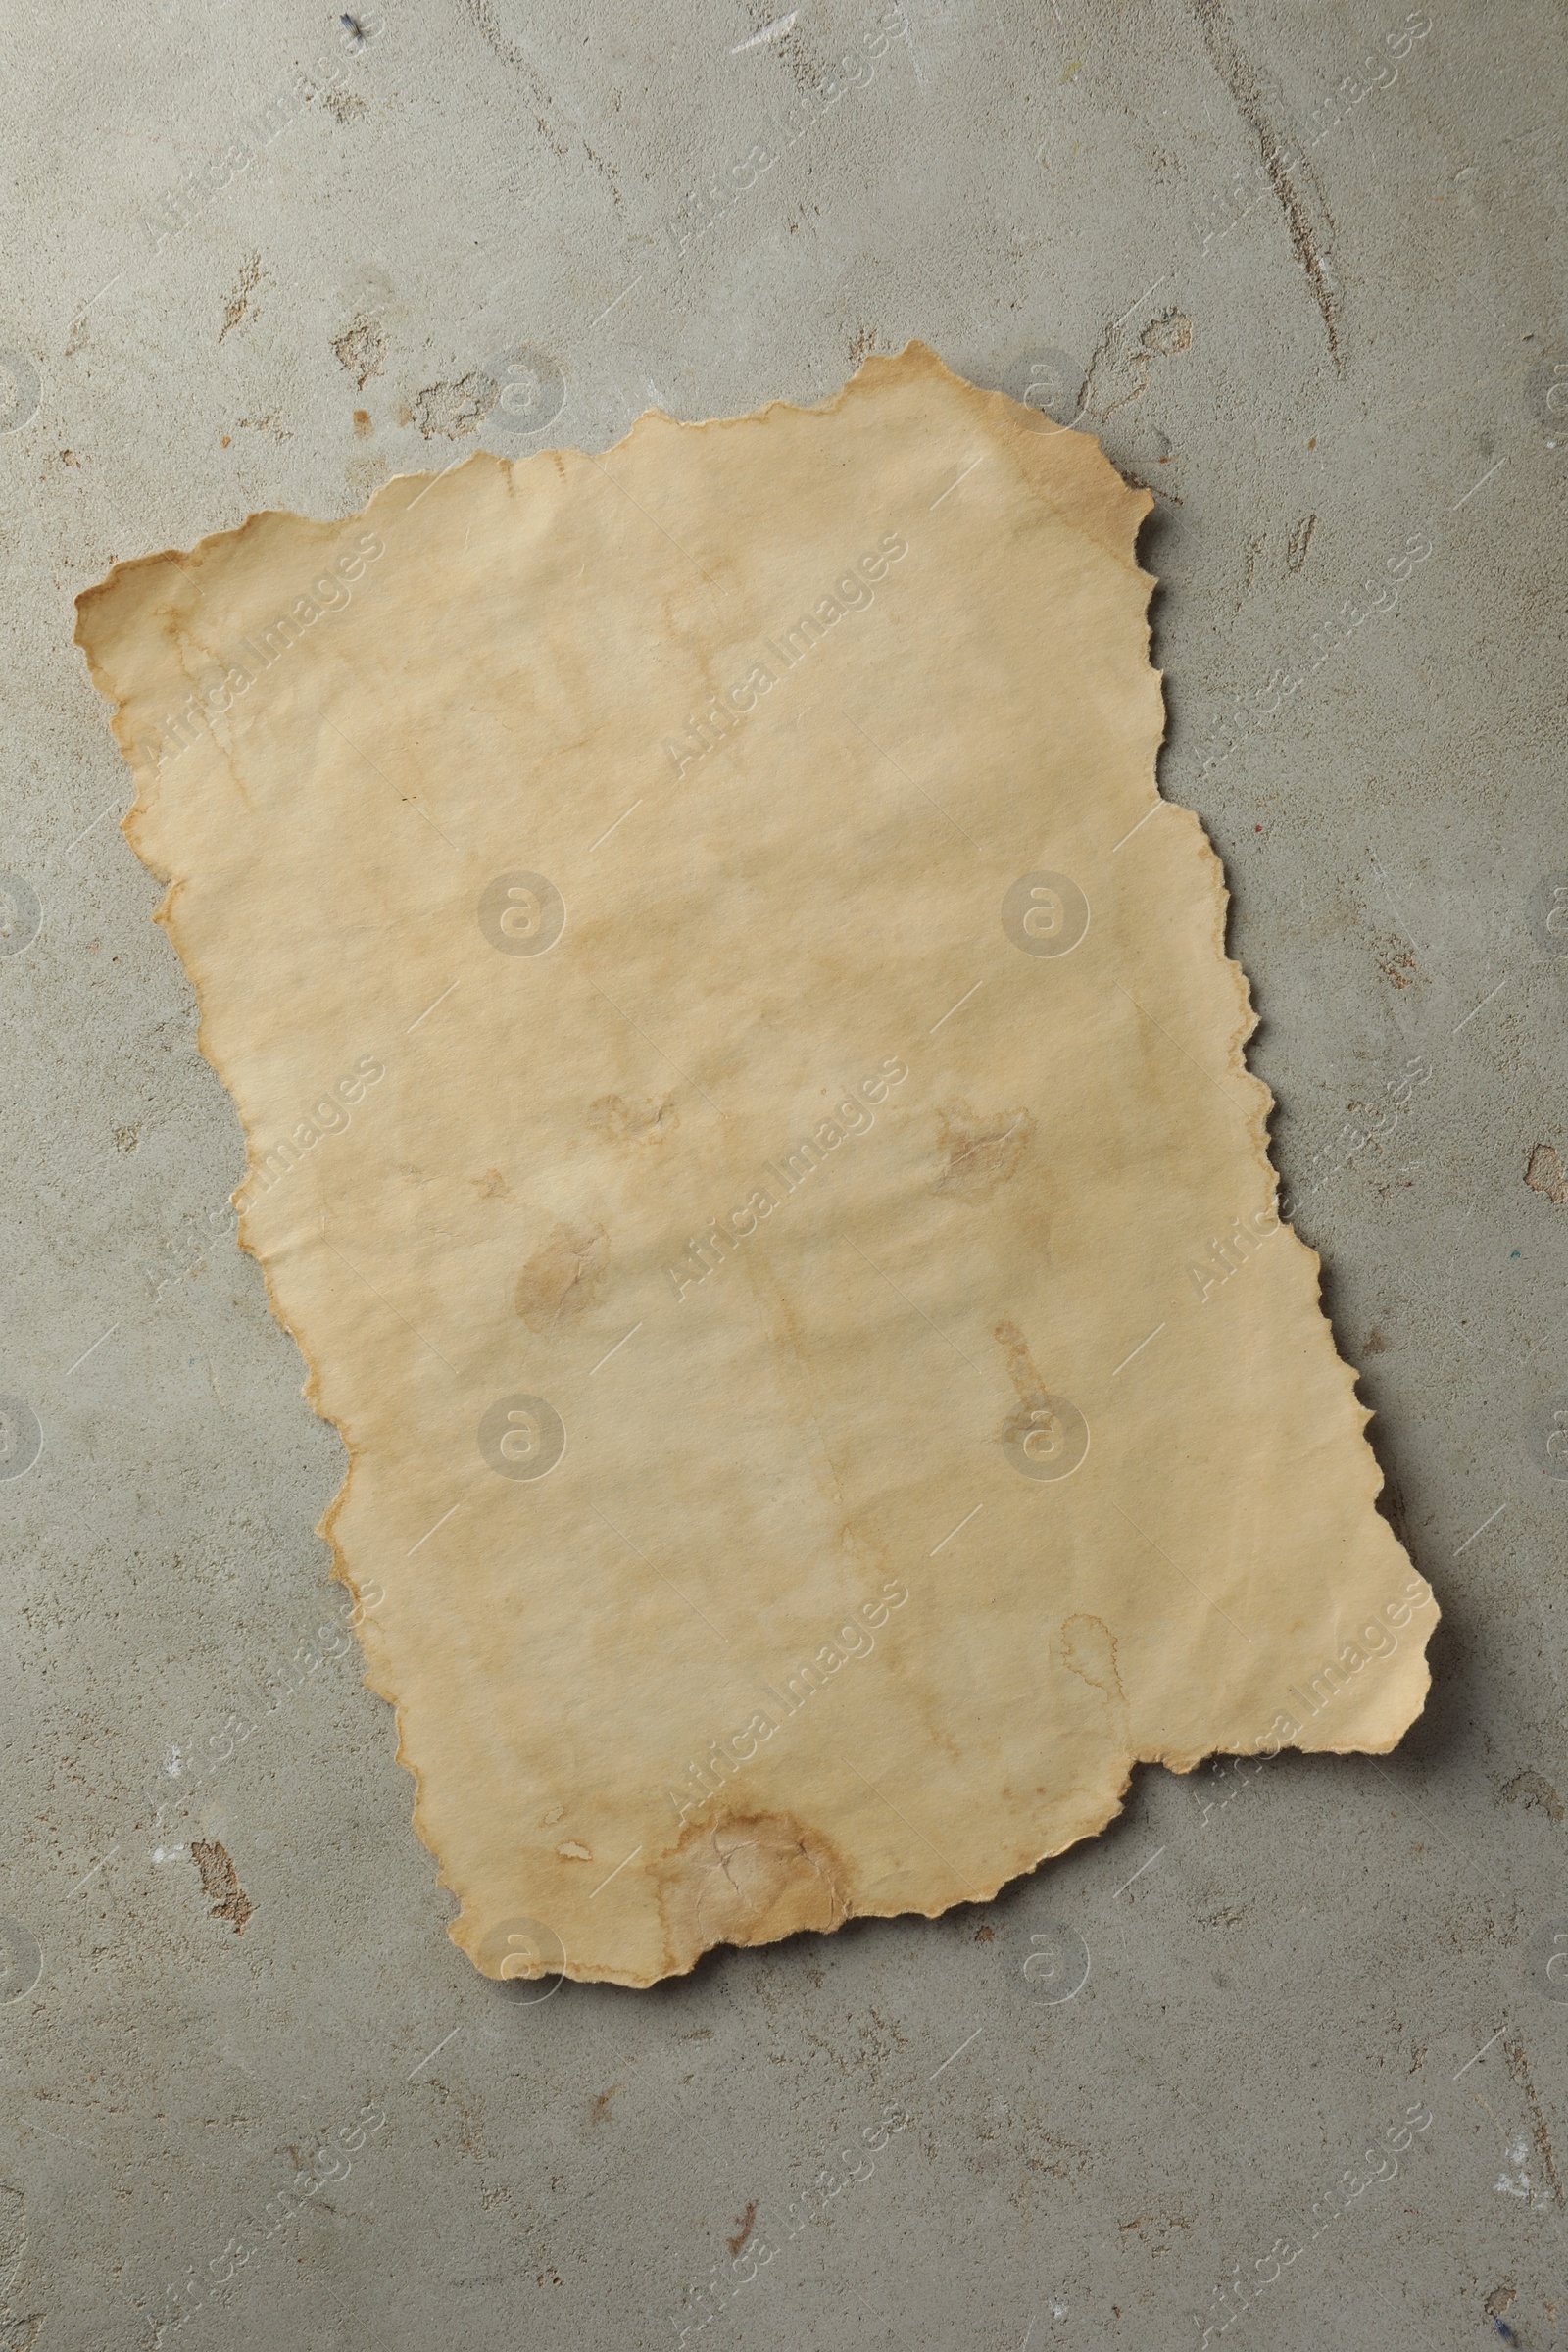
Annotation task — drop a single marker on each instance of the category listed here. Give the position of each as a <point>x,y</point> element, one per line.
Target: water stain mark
<point>979,1153</point>
<point>556,1285</point>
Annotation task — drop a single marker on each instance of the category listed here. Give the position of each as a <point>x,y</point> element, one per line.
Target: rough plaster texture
<point>198,1999</point>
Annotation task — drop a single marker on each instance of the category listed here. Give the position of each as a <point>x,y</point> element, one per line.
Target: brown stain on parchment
<point>1089,1651</point>
<point>979,1152</point>
<point>220,1880</point>
<point>556,1285</point>
<point>1021,1367</point>
<point>648,1120</point>
<point>750,1878</point>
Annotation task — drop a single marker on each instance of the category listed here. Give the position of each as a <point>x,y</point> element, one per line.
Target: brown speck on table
<point>743,2224</point>
<point>1547,1174</point>
<point>220,1880</point>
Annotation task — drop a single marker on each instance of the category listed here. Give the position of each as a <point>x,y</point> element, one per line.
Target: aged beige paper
<point>748,1126</point>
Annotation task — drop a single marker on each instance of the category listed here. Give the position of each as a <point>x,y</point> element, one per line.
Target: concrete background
<point>1316,367</point>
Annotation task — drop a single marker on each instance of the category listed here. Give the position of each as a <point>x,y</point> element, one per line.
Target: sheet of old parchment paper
<point>748,1126</point>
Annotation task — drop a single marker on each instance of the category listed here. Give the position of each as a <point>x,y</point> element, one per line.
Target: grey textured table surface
<point>1304,269</point>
